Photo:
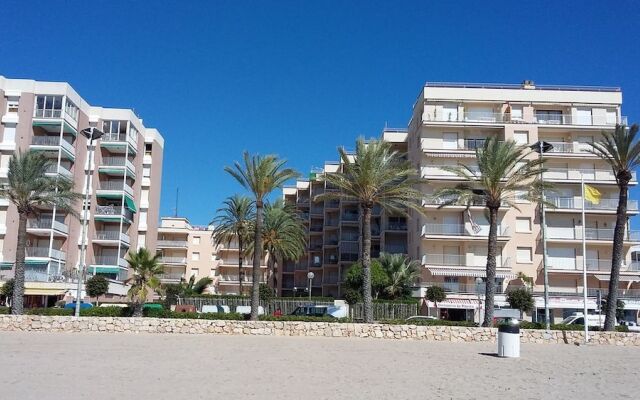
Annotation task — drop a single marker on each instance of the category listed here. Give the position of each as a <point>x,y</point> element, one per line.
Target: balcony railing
<point>114,137</point>
<point>396,226</point>
<point>575,233</point>
<point>45,252</point>
<point>577,174</point>
<point>575,203</point>
<point>173,260</point>
<point>462,288</point>
<point>173,276</point>
<point>47,223</point>
<point>52,141</point>
<point>460,230</point>
<point>172,243</point>
<point>605,266</point>
<point>350,237</point>
<point>47,113</point>
<point>462,260</point>
<point>395,249</point>
<point>112,235</point>
<point>472,116</point>
<point>350,217</point>
<point>58,169</point>
<point>114,210</point>
<point>438,171</point>
<point>236,278</point>
<point>116,185</point>
<point>110,260</point>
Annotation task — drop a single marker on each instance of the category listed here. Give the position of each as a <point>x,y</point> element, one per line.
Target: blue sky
<point>301,78</point>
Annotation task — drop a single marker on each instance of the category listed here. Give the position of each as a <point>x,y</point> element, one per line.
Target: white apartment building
<point>125,180</point>
<point>449,122</point>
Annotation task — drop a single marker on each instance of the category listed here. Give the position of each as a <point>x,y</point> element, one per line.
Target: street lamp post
<point>91,134</point>
<point>542,147</point>
<point>310,276</point>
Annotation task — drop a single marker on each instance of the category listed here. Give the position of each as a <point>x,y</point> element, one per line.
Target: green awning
<point>109,195</point>
<point>130,204</point>
<point>116,171</point>
<point>104,270</point>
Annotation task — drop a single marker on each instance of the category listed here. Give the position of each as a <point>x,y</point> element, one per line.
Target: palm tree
<point>29,188</point>
<point>283,235</point>
<point>621,150</point>
<point>260,175</point>
<point>505,170</point>
<point>375,174</point>
<point>402,273</point>
<point>146,268</point>
<point>233,223</point>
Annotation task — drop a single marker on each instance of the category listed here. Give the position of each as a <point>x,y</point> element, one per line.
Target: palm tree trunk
<point>366,264</point>
<point>490,287</point>
<point>616,259</point>
<point>17,305</point>
<point>137,309</point>
<point>240,274</point>
<point>257,258</point>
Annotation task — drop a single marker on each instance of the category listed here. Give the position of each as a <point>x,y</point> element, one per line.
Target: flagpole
<point>584,263</point>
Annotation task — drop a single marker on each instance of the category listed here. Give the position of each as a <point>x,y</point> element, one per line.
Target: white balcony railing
<point>575,233</point>
<point>575,203</point>
<point>439,172</point>
<point>471,116</point>
<point>577,174</point>
<point>116,185</point>
<point>52,141</point>
<point>112,235</point>
<point>59,169</point>
<point>172,276</point>
<point>45,252</point>
<point>172,243</point>
<point>114,211</point>
<point>460,230</point>
<point>173,260</point>
<point>47,223</point>
<point>462,260</point>
<point>110,260</point>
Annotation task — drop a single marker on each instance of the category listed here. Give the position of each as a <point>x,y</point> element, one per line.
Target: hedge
<point>431,322</point>
<point>5,310</point>
<point>301,318</point>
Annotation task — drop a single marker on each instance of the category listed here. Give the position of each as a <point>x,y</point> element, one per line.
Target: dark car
<point>83,305</point>
<point>320,311</point>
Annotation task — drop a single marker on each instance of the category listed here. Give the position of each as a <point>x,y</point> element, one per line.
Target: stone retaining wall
<point>36,323</point>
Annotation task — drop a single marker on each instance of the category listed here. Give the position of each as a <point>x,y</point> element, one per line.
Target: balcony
<point>171,277</point>
<point>112,140</point>
<point>350,237</point>
<point>53,143</point>
<point>172,244</point>
<point>491,118</point>
<point>117,164</point>
<point>45,252</point>
<point>574,204</point>
<point>458,231</point>
<point>115,186</point>
<point>472,261</point>
<point>316,228</point>
<point>589,175</point>
<point>574,265</point>
<point>591,234</point>
<point>107,213</point>
<point>173,260</point>
<point>437,172</point>
<point>332,204</point>
<point>44,275</point>
<point>111,261</point>
<point>231,279</point>
<point>111,236</point>
<point>395,249</point>
<point>350,217</point>
<point>396,226</point>
<point>463,288</point>
<point>43,225</point>
<point>54,170</point>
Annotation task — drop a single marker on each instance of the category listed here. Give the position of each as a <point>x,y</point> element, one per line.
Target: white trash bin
<point>509,339</point>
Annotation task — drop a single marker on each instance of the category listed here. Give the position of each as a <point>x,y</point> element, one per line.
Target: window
<point>114,131</point>
<point>521,137</point>
<point>521,196</point>
<point>144,198</point>
<point>213,256</point>
<point>48,106</point>
<point>142,220</point>
<point>147,149</point>
<point>9,135</point>
<point>583,116</point>
<point>523,255</point>
<point>450,140</point>
<point>549,116</point>
<point>196,240</point>
<point>194,272</point>
<point>12,106</point>
<point>611,117</point>
<point>195,256</point>
<point>146,172</point>
<point>71,110</point>
<point>523,224</point>
<point>449,112</point>
<point>516,113</point>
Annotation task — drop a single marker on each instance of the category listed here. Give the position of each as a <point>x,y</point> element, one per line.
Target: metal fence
<point>381,311</point>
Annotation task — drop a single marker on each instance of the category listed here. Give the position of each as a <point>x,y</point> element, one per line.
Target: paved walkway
<point>152,366</point>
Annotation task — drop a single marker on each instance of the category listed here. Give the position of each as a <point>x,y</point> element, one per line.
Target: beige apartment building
<point>125,179</point>
<point>449,122</point>
<point>187,250</point>
<point>333,228</point>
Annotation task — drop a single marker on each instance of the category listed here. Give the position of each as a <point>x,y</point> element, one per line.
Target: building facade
<point>449,122</point>
<point>333,233</point>
<point>124,184</point>
<point>187,250</point>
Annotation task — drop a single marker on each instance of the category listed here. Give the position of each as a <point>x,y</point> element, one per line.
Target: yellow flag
<point>592,194</point>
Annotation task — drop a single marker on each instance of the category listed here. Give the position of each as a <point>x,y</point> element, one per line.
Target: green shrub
<point>5,310</point>
<point>430,322</point>
<point>105,312</point>
<point>48,311</point>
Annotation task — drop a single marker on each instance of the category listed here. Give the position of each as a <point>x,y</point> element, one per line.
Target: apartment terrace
<point>460,232</point>
<point>574,204</point>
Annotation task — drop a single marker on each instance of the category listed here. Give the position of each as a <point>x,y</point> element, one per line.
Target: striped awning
<point>43,291</point>
<point>462,304</point>
<point>475,273</point>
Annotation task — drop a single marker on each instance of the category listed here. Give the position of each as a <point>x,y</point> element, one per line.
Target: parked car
<point>320,311</point>
<point>578,319</point>
<point>121,305</point>
<point>632,326</point>
<point>83,305</point>
<point>422,318</point>
<point>211,308</point>
<point>246,310</point>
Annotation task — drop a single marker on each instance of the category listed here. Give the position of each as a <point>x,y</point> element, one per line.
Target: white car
<point>632,326</point>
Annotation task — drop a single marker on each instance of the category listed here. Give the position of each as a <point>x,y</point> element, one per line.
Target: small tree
<point>266,293</point>
<point>97,286</point>
<point>436,294</point>
<point>7,290</point>
<point>355,278</point>
<point>521,299</point>
<point>619,309</point>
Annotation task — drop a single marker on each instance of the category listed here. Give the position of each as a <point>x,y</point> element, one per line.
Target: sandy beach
<point>146,366</point>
